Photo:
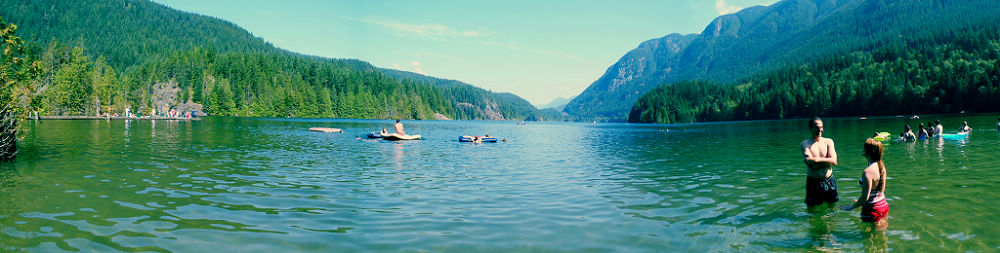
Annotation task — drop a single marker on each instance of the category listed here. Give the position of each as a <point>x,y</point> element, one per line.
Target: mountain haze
<point>558,103</point>
<point>760,39</point>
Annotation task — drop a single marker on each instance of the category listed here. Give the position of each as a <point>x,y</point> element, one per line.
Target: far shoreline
<point>115,118</point>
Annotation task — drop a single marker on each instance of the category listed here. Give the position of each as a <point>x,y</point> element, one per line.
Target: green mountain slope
<point>109,55</point>
<point>952,72</point>
<point>126,32</point>
<point>759,40</point>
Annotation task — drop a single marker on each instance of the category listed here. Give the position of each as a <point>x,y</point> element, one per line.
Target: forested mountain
<point>126,32</point>
<point>949,72</point>
<point>108,55</point>
<point>628,78</point>
<point>760,40</point>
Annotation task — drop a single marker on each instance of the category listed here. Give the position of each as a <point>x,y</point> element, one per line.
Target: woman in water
<point>930,130</point>
<point>922,133</point>
<point>907,134</point>
<point>874,208</point>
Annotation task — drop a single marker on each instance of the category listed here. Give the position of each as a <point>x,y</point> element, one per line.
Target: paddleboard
<point>400,137</point>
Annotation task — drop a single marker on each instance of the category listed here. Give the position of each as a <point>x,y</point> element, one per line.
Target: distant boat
<point>863,118</point>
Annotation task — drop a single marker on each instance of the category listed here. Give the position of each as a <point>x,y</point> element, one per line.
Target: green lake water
<point>271,185</point>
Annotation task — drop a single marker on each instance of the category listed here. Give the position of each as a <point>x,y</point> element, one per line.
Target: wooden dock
<point>113,118</point>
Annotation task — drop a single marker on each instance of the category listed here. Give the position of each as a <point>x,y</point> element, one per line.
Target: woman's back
<point>877,192</point>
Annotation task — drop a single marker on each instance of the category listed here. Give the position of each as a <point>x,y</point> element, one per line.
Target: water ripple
<point>235,184</point>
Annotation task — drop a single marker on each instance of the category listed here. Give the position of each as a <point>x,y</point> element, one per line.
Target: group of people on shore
<point>169,113</point>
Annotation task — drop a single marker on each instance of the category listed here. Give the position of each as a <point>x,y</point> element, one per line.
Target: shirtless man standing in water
<point>820,157</point>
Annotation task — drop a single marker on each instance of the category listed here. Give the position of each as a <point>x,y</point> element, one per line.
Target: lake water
<point>270,185</point>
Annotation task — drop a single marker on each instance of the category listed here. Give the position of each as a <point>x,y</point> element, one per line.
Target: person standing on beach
<point>820,157</point>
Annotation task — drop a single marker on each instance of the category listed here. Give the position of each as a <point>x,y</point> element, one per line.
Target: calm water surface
<point>270,185</point>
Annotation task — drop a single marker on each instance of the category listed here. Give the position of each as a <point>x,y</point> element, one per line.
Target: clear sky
<point>537,49</point>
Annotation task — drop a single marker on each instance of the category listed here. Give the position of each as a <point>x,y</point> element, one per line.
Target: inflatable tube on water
<point>326,130</point>
<point>481,139</point>
<point>882,136</point>
<point>400,137</point>
<point>955,136</point>
<point>374,135</point>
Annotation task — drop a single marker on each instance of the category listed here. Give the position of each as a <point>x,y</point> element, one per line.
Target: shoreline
<point>115,118</point>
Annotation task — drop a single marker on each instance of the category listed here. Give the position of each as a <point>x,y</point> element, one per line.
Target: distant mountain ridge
<point>172,46</point>
<point>629,78</point>
<point>558,103</point>
<point>759,39</point>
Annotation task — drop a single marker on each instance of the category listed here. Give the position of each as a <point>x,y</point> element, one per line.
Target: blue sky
<point>539,50</point>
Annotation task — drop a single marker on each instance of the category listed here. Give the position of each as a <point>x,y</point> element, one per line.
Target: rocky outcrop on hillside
<point>491,111</point>
<point>166,96</point>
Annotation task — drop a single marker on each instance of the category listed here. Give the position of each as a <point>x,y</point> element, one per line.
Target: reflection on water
<point>232,184</point>
<point>397,155</point>
<point>876,240</point>
<point>821,231</point>
<point>7,176</point>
